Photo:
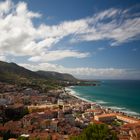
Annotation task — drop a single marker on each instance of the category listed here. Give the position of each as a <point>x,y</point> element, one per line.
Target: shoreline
<point>69,92</point>
<point>126,112</point>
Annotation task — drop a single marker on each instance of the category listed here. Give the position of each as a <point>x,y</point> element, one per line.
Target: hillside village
<point>69,70</point>
<point>56,114</point>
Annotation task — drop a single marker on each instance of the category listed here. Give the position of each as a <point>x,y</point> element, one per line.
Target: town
<point>56,115</point>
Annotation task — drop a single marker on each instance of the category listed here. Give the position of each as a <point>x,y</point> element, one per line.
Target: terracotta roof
<point>97,122</point>
<point>106,115</point>
<point>132,125</point>
<point>3,128</point>
<point>94,110</point>
<point>118,116</point>
<point>126,117</point>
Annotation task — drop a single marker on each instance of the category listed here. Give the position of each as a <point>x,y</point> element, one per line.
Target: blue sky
<point>94,39</point>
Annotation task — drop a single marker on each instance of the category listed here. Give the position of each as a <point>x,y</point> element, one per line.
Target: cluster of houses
<point>57,115</point>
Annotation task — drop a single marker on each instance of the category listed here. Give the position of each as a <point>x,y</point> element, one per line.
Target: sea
<point>120,95</point>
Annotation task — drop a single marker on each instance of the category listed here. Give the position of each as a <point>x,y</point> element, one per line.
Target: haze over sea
<point>122,95</point>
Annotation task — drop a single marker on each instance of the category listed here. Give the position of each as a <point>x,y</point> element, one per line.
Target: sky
<point>90,39</point>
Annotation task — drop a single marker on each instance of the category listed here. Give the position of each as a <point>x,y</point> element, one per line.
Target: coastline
<point>69,92</point>
<point>114,109</point>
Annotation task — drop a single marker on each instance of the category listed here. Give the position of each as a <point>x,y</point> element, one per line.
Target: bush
<point>96,132</point>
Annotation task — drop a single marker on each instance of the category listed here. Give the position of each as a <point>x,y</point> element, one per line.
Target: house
<point>113,116</point>
<point>54,125</point>
<point>131,130</point>
<point>105,117</point>
<point>127,119</point>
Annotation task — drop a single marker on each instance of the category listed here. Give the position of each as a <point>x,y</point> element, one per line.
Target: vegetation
<point>6,135</point>
<point>42,80</point>
<point>96,132</point>
<point>13,114</point>
<point>116,123</point>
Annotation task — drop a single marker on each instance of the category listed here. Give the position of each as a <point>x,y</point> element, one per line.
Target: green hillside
<point>15,74</point>
<point>11,72</point>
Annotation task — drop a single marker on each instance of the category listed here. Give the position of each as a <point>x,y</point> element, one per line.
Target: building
<point>54,125</point>
<point>127,119</point>
<point>132,131</point>
<point>105,117</point>
<point>113,116</point>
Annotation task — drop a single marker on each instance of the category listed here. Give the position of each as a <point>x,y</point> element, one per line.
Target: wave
<point>131,112</point>
<point>86,98</point>
<point>72,91</point>
<point>77,95</point>
<point>101,102</point>
<point>124,110</point>
<point>116,108</point>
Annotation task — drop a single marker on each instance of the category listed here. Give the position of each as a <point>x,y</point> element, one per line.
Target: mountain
<point>57,75</point>
<point>11,72</point>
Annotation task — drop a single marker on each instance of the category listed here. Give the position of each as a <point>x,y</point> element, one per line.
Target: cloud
<point>101,48</point>
<point>112,24</point>
<point>20,37</point>
<point>16,29</point>
<point>79,71</point>
<point>87,72</point>
<point>57,55</point>
<point>128,31</point>
<point>119,29</point>
<point>2,58</point>
<point>5,7</point>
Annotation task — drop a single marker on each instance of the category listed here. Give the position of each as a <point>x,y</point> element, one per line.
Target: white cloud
<point>101,48</point>
<point>79,72</point>
<point>5,7</point>
<point>21,10</point>
<point>2,57</point>
<point>57,55</point>
<point>110,13</point>
<point>128,31</point>
<point>19,36</point>
<point>86,72</point>
<point>111,24</point>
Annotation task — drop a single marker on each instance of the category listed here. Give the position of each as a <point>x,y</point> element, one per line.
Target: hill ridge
<point>12,72</point>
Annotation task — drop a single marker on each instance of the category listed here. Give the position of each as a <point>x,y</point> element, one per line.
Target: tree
<point>96,132</point>
<point>49,137</point>
<point>6,135</point>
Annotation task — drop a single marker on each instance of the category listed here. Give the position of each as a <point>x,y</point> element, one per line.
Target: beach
<point>100,103</point>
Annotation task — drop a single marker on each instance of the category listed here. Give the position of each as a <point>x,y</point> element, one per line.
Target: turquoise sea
<point>122,95</point>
